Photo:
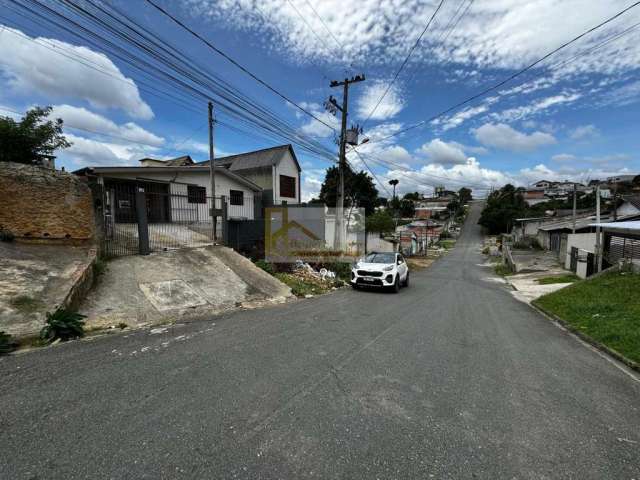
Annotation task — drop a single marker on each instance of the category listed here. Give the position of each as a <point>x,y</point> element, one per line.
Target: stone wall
<point>44,205</point>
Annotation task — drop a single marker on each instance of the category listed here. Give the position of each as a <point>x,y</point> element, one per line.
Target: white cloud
<point>505,34</point>
<point>564,157</point>
<point>535,107</point>
<point>89,152</point>
<point>50,67</point>
<point>584,132</point>
<point>82,118</point>
<point>504,137</point>
<point>443,153</point>
<point>389,107</point>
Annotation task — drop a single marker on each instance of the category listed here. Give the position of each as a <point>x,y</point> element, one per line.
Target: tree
<point>380,221</point>
<point>32,138</point>
<point>415,196</point>
<point>407,208</point>
<point>359,189</point>
<point>464,195</point>
<point>502,208</point>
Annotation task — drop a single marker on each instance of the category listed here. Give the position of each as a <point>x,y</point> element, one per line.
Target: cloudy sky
<point>573,116</point>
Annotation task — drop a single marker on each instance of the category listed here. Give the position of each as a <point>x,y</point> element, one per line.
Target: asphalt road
<point>451,378</point>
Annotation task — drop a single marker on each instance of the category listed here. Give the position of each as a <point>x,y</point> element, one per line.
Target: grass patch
<point>569,278</point>
<point>26,304</point>
<point>302,287</point>
<point>447,244</point>
<point>606,308</point>
<point>503,270</point>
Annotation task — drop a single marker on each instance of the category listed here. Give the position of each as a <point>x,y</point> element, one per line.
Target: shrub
<point>62,324</point>
<point>6,345</point>
<point>266,266</point>
<point>99,267</point>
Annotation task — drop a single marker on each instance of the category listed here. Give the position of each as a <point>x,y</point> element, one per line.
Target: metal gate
<point>145,216</point>
<point>574,259</point>
<point>620,246</point>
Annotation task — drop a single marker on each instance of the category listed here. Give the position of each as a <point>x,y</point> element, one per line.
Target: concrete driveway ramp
<point>143,290</point>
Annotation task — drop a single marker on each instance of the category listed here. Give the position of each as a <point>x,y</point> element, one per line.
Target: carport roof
<point>105,171</point>
<point>622,227</point>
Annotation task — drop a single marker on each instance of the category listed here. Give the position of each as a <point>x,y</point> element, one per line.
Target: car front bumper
<point>373,279</point>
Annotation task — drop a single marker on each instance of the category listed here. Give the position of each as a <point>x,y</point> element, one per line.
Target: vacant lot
<point>606,308</point>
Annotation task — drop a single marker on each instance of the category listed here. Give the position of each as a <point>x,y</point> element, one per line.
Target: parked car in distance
<point>382,270</point>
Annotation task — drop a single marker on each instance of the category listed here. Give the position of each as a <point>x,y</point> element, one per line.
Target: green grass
<point>606,308</point>
<point>301,287</point>
<point>447,244</point>
<point>568,278</point>
<point>502,269</point>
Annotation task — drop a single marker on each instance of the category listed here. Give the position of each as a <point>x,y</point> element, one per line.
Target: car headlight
<point>389,268</point>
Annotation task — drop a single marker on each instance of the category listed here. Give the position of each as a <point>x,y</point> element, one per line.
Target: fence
<point>140,218</point>
<point>620,246</point>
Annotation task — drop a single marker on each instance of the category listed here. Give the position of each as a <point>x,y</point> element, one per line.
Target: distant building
<point>630,206</point>
<point>621,178</point>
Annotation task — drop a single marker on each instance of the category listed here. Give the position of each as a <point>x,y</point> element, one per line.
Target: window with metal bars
<point>236,197</point>
<point>196,194</point>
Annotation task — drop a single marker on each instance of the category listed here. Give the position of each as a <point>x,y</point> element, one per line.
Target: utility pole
<point>615,201</point>
<point>212,174</point>
<point>575,199</point>
<point>332,106</point>
<point>598,230</point>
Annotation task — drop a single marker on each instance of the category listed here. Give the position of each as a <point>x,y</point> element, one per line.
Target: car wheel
<point>354,286</point>
<point>406,280</point>
<point>396,285</point>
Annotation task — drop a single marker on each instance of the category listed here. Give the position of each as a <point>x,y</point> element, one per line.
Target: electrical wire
<point>395,77</point>
<point>235,63</point>
<point>511,77</point>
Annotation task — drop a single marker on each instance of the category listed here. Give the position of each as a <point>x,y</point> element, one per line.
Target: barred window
<point>236,197</point>
<point>196,194</point>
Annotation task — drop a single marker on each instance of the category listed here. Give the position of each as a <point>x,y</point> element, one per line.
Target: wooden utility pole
<point>212,174</point>
<point>575,203</point>
<point>332,104</point>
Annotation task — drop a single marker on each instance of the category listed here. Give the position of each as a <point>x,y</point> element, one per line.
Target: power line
<point>511,77</point>
<point>338,43</point>
<point>395,77</point>
<point>266,123</point>
<point>235,63</point>
<point>372,173</point>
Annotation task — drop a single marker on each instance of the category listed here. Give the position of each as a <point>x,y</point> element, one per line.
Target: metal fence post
<point>141,217</point>
<point>225,220</point>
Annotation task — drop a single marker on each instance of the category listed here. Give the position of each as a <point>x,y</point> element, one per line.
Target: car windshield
<point>380,258</point>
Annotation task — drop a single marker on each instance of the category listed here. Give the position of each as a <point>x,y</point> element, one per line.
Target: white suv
<point>380,269</point>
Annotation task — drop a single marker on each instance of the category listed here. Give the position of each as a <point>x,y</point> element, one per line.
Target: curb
<point>583,336</point>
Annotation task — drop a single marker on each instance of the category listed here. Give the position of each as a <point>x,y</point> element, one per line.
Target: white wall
<point>181,209</point>
<point>584,241</point>
<point>287,166</point>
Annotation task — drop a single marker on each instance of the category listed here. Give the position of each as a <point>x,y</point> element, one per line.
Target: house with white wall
<point>276,170</point>
<point>174,193</point>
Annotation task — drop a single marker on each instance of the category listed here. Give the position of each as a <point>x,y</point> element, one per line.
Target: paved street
<point>450,378</point>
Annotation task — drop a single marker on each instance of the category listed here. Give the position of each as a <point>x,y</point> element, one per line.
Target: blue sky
<point>573,117</point>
